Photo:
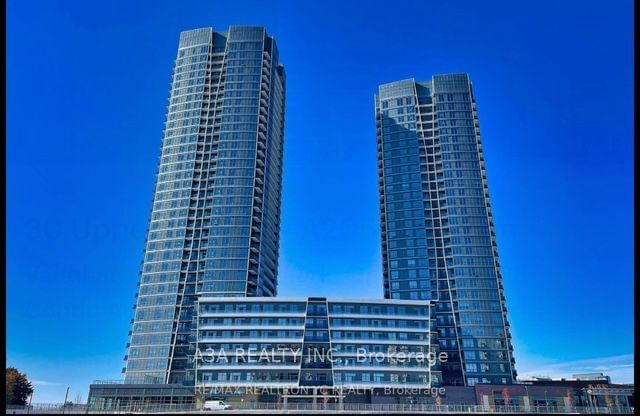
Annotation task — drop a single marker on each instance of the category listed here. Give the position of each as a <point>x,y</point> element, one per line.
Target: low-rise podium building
<point>284,344</point>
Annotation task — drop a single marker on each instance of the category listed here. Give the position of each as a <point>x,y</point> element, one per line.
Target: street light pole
<point>64,405</point>
<point>29,406</point>
<point>546,399</point>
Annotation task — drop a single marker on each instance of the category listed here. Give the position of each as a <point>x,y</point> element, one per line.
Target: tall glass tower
<point>215,223</point>
<point>438,239</point>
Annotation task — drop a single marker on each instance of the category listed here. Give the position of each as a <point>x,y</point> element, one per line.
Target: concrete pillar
<point>315,399</point>
<point>567,403</point>
<point>485,401</point>
<point>526,401</point>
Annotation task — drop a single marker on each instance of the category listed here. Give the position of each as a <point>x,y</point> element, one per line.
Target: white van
<point>215,405</point>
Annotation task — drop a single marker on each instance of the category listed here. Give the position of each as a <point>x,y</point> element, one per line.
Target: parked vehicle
<point>216,405</point>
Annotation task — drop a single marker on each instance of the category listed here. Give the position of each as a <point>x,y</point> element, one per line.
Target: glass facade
<point>215,222</point>
<point>438,238</point>
<point>264,342</point>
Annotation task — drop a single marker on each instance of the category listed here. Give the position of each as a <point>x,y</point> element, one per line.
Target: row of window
<point>197,50</point>
<point>484,318</point>
<point>180,140</point>
<point>144,352</point>
<point>192,59</point>
<point>190,67</point>
<point>411,284</point>
<point>158,300</point>
<point>364,309</point>
<point>413,295</point>
<point>408,233</point>
<point>485,368</point>
<point>262,321</point>
<point>411,126</point>
<point>254,307</point>
<point>183,122</point>
<point>399,336</point>
<point>280,334</point>
<point>398,102</point>
<point>157,326</point>
<point>413,273</point>
<point>147,364</point>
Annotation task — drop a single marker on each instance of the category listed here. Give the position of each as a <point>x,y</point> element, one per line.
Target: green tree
<point>19,388</point>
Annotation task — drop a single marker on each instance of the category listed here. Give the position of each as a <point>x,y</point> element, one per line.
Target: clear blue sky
<point>87,93</point>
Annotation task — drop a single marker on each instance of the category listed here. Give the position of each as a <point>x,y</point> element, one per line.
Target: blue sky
<point>87,93</point>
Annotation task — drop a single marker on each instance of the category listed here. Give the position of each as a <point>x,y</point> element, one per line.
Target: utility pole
<point>64,405</point>
<point>29,406</point>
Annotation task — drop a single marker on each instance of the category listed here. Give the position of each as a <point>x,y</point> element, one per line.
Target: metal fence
<point>36,408</point>
<point>257,408</point>
<point>423,408</point>
<point>108,382</point>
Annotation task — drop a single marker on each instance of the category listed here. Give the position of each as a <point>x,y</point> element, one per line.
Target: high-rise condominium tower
<point>438,239</point>
<point>215,222</point>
